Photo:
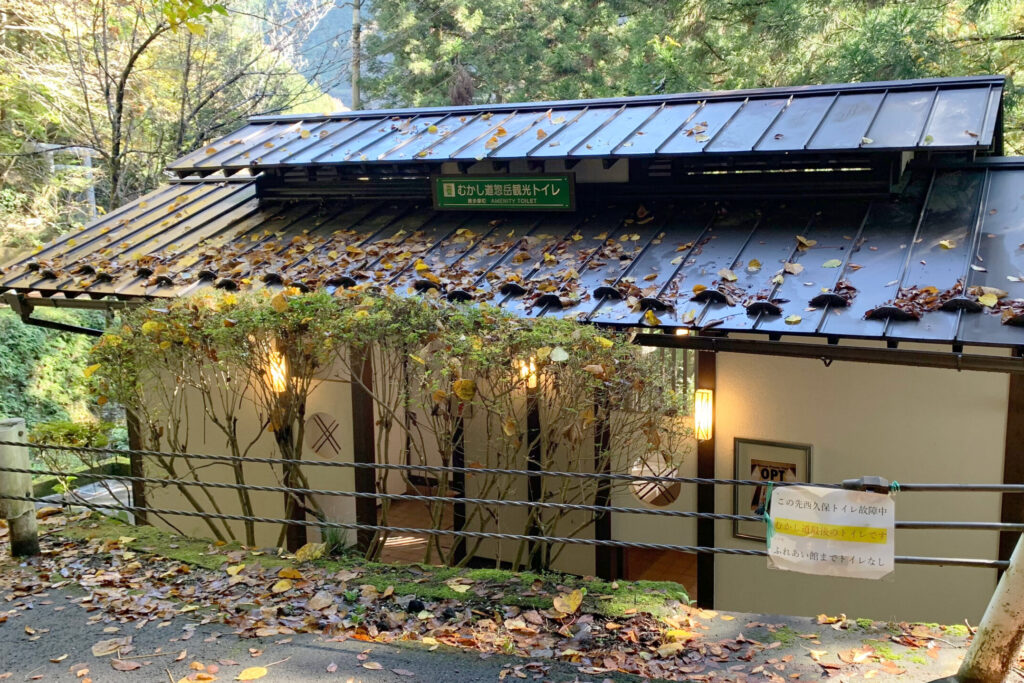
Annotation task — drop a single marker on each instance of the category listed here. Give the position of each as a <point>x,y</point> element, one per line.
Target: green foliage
<point>513,51</point>
<point>41,370</point>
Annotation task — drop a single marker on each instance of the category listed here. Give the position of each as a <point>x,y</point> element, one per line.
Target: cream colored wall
<point>901,423</point>
<point>332,395</point>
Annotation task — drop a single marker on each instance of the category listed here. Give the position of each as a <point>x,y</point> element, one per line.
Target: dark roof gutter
<point>827,353</point>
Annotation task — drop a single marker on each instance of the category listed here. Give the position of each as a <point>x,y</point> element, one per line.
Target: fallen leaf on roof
<point>793,268</point>
<point>727,275</point>
<point>754,265</point>
<point>651,319</point>
<point>989,300</point>
<point>947,244</point>
<point>832,263</point>
<point>804,243</point>
<point>793,319</point>
<point>980,269</point>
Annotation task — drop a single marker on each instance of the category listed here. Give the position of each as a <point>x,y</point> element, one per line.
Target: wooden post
<point>137,467</point>
<point>997,643</point>
<point>1013,465</point>
<point>706,492</point>
<point>20,514</point>
<point>607,560</point>
<point>362,445</point>
<point>459,487</point>
<point>534,485</point>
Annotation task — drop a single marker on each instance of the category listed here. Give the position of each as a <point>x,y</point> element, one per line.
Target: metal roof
<point>910,267</point>
<point>930,114</point>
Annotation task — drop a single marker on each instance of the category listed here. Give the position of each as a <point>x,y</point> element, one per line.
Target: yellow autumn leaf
<point>804,243</point>
<point>989,300</point>
<point>310,552</point>
<point>492,143</point>
<point>727,275</point>
<point>289,573</point>
<point>947,244</point>
<point>510,427</point>
<point>253,673</point>
<point>151,327</point>
<point>281,586</point>
<point>541,134</point>
<point>568,603</point>
<point>465,389</point>
<point>651,319</point>
<point>234,569</point>
<point>832,263</point>
<point>417,359</point>
<point>421,266</point>
<point>91,370</point>
<point>793,319</point>
<point>279,302</point>
<point>678,634</point>
<point>439,395</point>
<point>303,134</point>
<point>754,265</point>
<point>431,128</point>
<point>697,289</point>
<point>778,279</point>
<point>604,342</point>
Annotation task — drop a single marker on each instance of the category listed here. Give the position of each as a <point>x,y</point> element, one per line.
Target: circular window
<point>322,436</point>
<point>658,493</point>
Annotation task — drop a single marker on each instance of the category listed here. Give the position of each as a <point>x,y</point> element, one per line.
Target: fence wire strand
<point>582,507</point>
<point>900,559</point>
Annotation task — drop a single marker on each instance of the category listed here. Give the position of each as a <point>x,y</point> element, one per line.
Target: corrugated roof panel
<point>835,118</point>
<point>509,130</point>
<point>834,230</point>
<point>847,121</point>
<point>240,137</point>
<point>349,142</point>
<point>877,262</point>
<point>957,118</point>
<point>217,234</point>
<point>573,132</point>
<point>797,123</point>
<point>940,255</point>
<point>701,128</point>
<point>519,144</point>
<point>900,120</point>
<point>606,140</point>
<point>748,126</point>
<point>652,133</point>
<point>374,143</point>
<point>653,277</point>
<point>999,252</point>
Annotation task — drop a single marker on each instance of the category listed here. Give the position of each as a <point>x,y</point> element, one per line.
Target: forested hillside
<point>97,96</point>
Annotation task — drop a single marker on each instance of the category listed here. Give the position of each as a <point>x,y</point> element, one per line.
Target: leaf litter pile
<point>128,588</point>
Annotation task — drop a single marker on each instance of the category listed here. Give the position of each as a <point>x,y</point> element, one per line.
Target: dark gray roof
<point>909,267</point>
<point>930,114</point>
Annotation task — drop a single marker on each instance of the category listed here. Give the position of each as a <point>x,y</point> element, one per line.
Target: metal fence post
<point>997,643</point>
<point>20,514</point>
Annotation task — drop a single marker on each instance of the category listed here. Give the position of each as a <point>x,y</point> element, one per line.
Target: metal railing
<point>867,483</point>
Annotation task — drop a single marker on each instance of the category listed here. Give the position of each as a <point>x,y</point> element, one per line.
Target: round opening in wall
<point>322,436</point>
<point>657,493</point>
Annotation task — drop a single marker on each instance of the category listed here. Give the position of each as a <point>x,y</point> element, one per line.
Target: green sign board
<point>516,192</point>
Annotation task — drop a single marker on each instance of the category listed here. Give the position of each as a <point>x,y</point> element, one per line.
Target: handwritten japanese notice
<point>831,532</point>
<point>529,192</point>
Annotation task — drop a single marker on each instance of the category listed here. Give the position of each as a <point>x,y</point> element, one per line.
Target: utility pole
<point>356,51</point>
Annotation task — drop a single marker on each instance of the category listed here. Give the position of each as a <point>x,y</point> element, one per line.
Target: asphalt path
<point>58,626</point>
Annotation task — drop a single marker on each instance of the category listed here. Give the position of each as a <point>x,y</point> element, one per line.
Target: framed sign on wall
<point>767,461</point>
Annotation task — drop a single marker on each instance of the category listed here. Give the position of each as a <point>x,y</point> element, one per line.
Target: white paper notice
<point>832,532</point>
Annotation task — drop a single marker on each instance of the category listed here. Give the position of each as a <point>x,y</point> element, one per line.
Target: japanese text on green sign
<point>547,193</point>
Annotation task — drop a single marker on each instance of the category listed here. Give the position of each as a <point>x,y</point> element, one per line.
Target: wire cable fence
<point>866,483</point>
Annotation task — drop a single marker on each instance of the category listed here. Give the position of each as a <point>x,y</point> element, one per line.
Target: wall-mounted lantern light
<point>277,371</point>
<point>528,372</point>
<point>703,410</point>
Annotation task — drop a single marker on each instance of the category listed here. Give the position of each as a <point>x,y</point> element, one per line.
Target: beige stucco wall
<point>332,395</point>
<point>902,423</point>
